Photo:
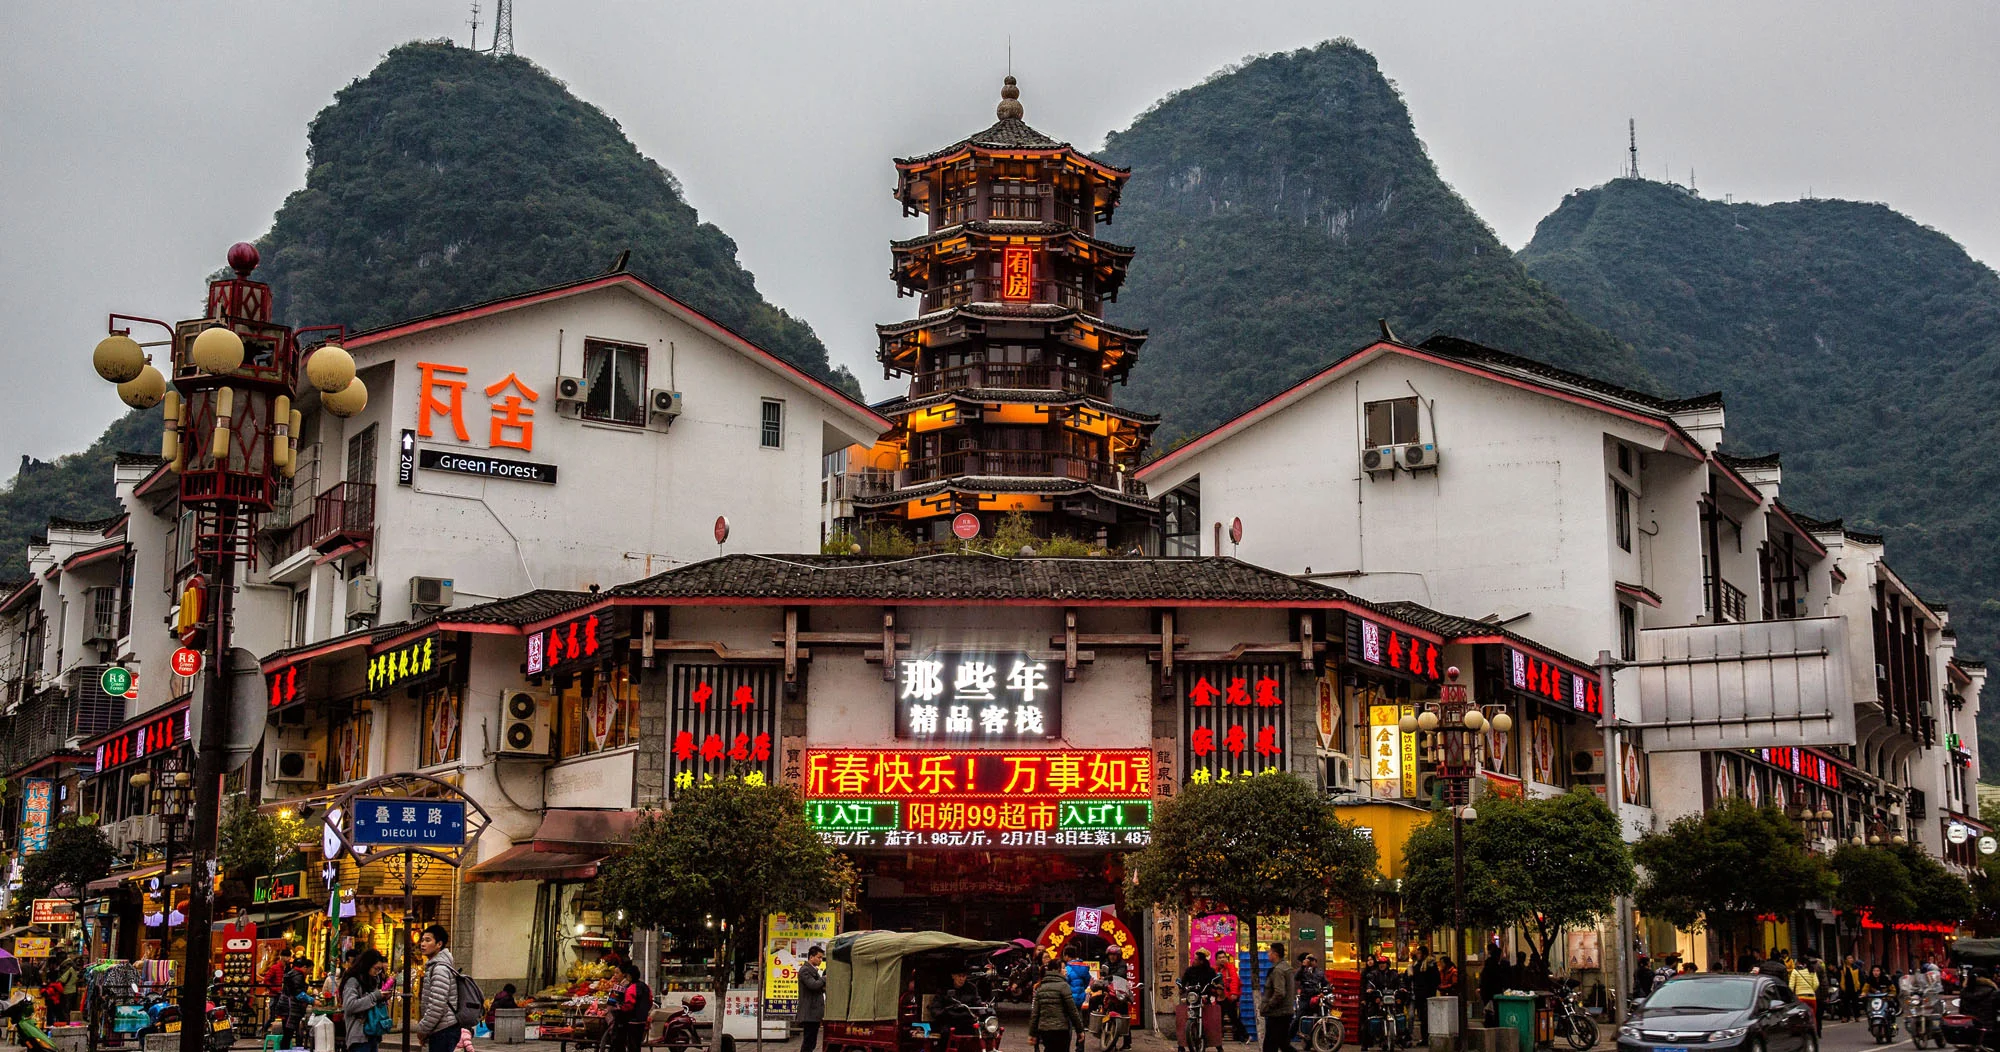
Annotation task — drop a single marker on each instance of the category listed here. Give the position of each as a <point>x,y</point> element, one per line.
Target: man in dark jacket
<point>1423,987</point>
<point>1280,991</point>
<point>812,997</point>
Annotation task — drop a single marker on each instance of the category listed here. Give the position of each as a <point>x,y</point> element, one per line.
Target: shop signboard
<point>724,721</point>
<point>1234,715</point>
<point>962,696</point>
<point>980,798</point>
<point>415,822</point>
<point>52,911</point>
<point>1806,763</point>
<point>37,813</point>
<point>786,942</point>
<point>1385,752</point>
<point>279,887</point>
<point>1532,674</point>
<point>572,644</point>
<point>1390,649</point>
<point>285,686</point>
<point>32,945</point>
<point>399,665</point>
<point>162,732</point>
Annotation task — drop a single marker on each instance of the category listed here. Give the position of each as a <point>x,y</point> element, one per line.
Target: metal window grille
<point>773,431</point>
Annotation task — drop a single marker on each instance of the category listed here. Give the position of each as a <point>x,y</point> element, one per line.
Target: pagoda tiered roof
<point>1119,345</point>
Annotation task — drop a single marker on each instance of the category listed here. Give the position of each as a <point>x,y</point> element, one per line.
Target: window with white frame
<point>771,433</point>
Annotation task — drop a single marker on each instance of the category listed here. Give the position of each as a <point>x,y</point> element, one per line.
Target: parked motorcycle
<point>1571,1021</point>
<point>1320,1025</point>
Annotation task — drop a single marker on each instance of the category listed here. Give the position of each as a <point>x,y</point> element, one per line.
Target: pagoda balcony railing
<point>1029,463</point>
<point>1032,376</point>
<point>866,482</point>
<point>345,513</point>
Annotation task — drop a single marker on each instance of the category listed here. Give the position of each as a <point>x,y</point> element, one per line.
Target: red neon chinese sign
<point>1393,649</point>
<point>577,639</point>
<point>1546,679</point>
<point>285,686</point>
<point>1803,762</point>
<point>1017,273</point>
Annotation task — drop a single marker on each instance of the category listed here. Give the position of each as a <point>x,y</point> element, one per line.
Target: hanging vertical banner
<point>37,812</point>
<point>1233,716</point>
<point>725,721</point>
<point>1385,752</point>
<point>1409,745</point>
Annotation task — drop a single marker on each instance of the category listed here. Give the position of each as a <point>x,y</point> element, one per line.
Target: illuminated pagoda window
<point>1009,360</point>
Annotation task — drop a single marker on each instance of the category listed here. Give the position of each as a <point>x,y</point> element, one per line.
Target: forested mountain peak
<point>1282,206</point>
<point>1861,343</point>
<point>447,177</point>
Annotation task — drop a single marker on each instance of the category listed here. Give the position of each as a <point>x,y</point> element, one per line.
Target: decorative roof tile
<point>1466,350</point>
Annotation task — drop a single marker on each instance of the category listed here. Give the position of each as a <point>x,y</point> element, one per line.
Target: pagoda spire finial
<point>1010,101</point>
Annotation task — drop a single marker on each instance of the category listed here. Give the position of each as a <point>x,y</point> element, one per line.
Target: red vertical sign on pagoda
<point>1017,272</point>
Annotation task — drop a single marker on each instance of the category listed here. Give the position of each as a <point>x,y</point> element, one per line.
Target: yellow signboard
<point>31,946</point>
<point>786,942</point>
<point>1385,754</point>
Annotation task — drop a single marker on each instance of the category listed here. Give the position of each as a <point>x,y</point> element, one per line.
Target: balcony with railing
<point>866,482</point>
<point>344,514</point>
<point>1032,376</point>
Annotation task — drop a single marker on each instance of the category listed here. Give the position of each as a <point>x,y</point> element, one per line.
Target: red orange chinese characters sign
<point>974,798</point>
<point>441,393</point>
<point>1017,273</point>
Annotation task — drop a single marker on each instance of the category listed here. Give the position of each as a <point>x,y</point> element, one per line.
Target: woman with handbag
<point>364,996</point>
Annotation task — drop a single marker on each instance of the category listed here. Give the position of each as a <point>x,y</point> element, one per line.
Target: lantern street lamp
<point>1453,721</point>
<point>231,436</point>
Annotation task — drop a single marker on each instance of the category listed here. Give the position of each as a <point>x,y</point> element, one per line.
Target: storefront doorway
<point>983,895</point>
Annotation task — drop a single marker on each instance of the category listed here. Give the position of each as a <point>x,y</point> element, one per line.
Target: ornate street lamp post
<point>1455,721</point>
<point>231,434</point>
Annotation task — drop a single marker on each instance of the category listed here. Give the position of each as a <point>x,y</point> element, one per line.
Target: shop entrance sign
<point>52,911</point>
<point>115,680</point>
<point>980,798</point>
<point>977,696</point>
<point>1089,921</point>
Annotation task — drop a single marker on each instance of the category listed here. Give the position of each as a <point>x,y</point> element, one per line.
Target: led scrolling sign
<point>980,798</point>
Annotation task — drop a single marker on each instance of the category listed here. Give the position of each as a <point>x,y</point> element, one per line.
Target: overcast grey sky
<point>138,140</point>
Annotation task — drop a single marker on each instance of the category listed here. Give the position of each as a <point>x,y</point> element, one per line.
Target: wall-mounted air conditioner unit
<point>1586,762</point>
<point>1339,772</point>
<point>430,591</point>
<point>364,595</point>
<point>294,765</point>
<point>524,724</point>
<point>1418,456</point>
<point>571,389</point>
<point>1379,460</point>
<point>664,403</point>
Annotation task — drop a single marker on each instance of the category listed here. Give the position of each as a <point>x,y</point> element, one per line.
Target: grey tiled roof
<point>1008,133</point>
<point>1005,312</point>
<point>979,578</point>
<point>1452,626</point>
<point>1011,227</point>
<point>1762,460</point>
<point>1466,350</point>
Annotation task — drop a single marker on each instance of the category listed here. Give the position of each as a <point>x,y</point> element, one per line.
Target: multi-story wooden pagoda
<point>1010,360</point>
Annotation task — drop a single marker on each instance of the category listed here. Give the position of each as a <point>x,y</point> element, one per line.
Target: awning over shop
<point>140,873</point>
<point>579,831</point>
<point>523,862</point>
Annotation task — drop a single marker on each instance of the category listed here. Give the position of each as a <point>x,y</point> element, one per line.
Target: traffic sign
<point>1988,845</point>
<point>186,662</point>
<point>116,680</point>
<point>721,529</point>
<point>965,526</point>
<point>418,822</point>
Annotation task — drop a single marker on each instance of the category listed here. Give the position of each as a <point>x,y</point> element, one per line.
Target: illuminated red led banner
<point>1803,762</point>
<point>921,774</point>
<point>1393,650</point>
<point>1533,675</point>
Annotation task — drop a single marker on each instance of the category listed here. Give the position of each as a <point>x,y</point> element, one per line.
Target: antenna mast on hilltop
<point>503,27</point>
<point>1632,135</point>
<point>474,46</point>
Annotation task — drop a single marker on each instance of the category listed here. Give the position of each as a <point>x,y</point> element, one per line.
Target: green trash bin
<point>1517,1013</point>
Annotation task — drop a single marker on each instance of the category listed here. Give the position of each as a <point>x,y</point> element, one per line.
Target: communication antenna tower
<point>475,27</point>
<point>503,27</point>
<point>1632,136</point>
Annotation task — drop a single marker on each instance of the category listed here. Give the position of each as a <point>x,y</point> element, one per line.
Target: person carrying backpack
<point>445,993</point>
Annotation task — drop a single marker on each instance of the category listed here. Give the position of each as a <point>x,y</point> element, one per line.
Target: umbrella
<point>9,964</point>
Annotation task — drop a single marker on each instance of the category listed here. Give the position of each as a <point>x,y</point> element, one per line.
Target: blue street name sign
<point>380,820</point>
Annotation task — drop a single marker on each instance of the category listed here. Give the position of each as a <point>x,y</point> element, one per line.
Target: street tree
<point>256,845</point>
<point>1539,866</point>
<point>1727,865</point>
<point>1871,880</point>
<point>77,854</point>
<point>1937,895</point>
<point>727,854</point>
<point>1253,846</point>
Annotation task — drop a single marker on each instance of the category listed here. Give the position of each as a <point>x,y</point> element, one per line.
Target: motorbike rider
<point>1199,974</point>
<point>952,1007</point>
<point>1924,990</point>
<point>1878,981</point>
<point>1981,1001</point>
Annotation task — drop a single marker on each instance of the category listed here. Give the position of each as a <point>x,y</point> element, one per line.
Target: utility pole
<point>475,27</point>
<point>1614,795</point>
<point>1632,147</point>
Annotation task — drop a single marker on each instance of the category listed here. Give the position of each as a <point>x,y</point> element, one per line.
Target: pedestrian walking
<point>364,994</point>
<point>438,1025</point>
<point>812,997</point>
<point>1280,990</point>
<point>1053,1017</point>
<point>1805,986</point>
<point>293,999</point>
<point>1232,995</point>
